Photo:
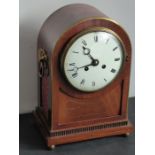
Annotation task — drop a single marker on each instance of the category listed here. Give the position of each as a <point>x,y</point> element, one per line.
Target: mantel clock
<point>84,60</point>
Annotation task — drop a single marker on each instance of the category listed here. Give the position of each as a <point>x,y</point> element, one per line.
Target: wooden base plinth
<point>52,139</point>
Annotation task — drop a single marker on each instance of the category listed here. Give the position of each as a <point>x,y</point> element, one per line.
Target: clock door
<point>93,59</point>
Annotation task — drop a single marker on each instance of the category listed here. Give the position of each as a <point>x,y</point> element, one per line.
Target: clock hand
<point>75,69</point>
<point>86,51</point>
<point>95,62</point>
<point>84,66</point>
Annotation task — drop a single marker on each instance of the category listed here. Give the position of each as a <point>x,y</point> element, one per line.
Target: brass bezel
<point>71,41</point>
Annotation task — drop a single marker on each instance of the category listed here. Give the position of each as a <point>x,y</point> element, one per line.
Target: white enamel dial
<point>93,60</point>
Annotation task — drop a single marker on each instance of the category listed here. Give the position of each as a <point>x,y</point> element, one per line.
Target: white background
<point>32,14</point>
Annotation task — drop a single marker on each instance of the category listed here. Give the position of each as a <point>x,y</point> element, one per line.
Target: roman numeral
<point>72,64</point>
<point>75,75</point>
<point>84,42</point>
<point>93,83</point>
<point>96,38</point>
<point>116,59</point>
<point>107,41</point>
<point>115,48</point>
<point>82,82</point>
<point>75,52</point>
<point>105,80</point>
<point>70,69</point>
<point>113,70</point>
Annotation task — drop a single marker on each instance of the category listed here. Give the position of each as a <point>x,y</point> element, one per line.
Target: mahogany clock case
<point>64,113</point>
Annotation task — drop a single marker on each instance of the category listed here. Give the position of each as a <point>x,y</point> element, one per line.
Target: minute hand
<point>85,66</point>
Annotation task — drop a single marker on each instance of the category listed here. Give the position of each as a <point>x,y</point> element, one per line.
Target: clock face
<point>93,60</point>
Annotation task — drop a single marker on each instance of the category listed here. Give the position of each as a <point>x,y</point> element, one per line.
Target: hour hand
<point>86,51</point>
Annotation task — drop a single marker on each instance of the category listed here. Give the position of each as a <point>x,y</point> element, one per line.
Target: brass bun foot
<point>52,147</point>
<point>127,134</point>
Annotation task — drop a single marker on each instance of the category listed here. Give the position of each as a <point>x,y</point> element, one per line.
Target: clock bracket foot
<point>80,134</point>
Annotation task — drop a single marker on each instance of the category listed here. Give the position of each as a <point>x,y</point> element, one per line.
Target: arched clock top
<point>63,19</point>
